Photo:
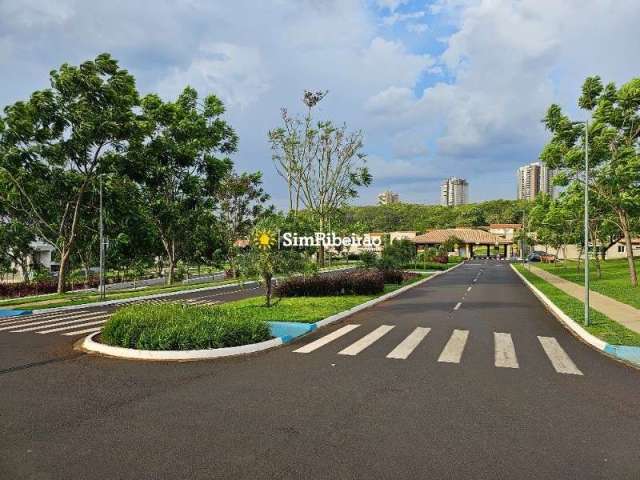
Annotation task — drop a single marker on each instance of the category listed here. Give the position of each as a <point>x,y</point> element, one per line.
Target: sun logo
<point>264,239</point>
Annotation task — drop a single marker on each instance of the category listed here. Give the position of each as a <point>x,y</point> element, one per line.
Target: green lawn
<point>79,298</point>
<point>614,283</point>
<point>302,309</point>
<point>601,325</point>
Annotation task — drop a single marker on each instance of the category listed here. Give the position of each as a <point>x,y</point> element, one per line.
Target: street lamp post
<point>586,223</point>
<point>101,288</point>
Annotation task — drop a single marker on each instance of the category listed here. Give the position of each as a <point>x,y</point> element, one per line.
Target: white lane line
<point>356,347</point>
<point>475,280</point>
<point>59,323</point>
<point>409,344</point>
<point>452,352</point>
<point>469,289</point>
<point>321,342</point>
<point>44,322</point>
<point>558,357</point>
<point>505,352</point>
<point>71,327</point>
<point>458,305</point>
<point>80,332</point>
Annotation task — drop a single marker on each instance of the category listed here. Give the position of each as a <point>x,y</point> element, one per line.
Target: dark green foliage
<point>368,259</point>
<point>357,282</point>
<point>181,327</point>
<point>407,216</point>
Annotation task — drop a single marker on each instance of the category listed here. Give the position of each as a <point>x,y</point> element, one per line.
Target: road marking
<point>452,352</point>
<point>475,280</point>
<point>558,357</point>
<point>409,344</point>
<point>69,327</point>
<point>505,353</point>
<point>469,289</point>
<point>43,322</point>
<point>458,305</point>
<point>367,340</point>
<point>59,323</point>
<point>29,318</point>
<point>321,342</point>
<point>80,332</point>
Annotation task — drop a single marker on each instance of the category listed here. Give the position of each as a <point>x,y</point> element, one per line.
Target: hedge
<point>356,282</point>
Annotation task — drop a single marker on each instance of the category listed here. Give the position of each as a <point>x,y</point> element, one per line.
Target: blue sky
<point>440,88</point>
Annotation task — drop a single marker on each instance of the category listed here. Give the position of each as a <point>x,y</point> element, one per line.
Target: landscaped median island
<point>299,300</point>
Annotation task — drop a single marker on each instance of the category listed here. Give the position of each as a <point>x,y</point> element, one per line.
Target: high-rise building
<point>454,191</point>
<point>533,179</point>
<point>387,197</point>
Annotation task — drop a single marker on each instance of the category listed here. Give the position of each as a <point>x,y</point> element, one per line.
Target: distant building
<point>534,179</point>
<point>388,197</point>
<point>454,191</point>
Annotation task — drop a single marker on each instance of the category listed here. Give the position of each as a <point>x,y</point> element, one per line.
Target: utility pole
<point>101,288</point>
<point>586,223</point>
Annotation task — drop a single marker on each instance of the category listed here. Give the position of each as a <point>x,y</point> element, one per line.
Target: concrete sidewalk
<point>620,312</point>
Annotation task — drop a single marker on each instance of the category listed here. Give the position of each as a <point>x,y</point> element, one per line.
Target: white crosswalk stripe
<point>71,327</point>
<point>367,340</point>
<point>558,357</point>
<point>57,323</point>
<point>321,342</point>
<point>83,332</point>
<point>505,352</point>
<point>409,344</point>
<point>35,321</point>
<point>452,352</point>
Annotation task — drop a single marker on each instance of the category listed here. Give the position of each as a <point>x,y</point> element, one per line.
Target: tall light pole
<point>101,288</point>
<point>586,223</point>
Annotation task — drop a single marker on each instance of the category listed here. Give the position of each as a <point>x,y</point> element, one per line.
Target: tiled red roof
<point>466,235</point>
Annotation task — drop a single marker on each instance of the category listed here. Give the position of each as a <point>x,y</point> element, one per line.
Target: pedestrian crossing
<point>453,350</point>
<point>81,322</point>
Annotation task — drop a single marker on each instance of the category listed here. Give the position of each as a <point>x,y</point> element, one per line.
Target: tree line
<point>170,191</point>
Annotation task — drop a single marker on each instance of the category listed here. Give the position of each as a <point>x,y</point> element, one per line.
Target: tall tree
<point>55,143</point>
<point>330,169</point>
<point>179,163</point>
<point>614,151</point>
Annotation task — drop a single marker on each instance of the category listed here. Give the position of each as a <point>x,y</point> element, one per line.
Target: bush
<point>357,282</point>
<point>396,276</point>
<point>368,259</point>
<point>180,327</point>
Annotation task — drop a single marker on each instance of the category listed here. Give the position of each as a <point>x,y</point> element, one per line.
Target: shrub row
<point>27,289</point>
<point>396,276</point>
<point>356,282</point>
<point>181,327</point>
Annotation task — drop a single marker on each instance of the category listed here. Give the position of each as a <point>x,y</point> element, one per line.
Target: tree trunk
<point>267,279</point>
<point>624,223</point>
<point>62,273</point>
<point>171,270</point>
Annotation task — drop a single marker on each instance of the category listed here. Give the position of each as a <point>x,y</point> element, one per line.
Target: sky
<point>439,88</point>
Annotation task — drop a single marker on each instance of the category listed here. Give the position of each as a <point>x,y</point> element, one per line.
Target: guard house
<point>472,242</point>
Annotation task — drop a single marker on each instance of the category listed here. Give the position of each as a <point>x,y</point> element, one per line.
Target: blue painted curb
<point>624,352</point>
<point>288,331</point>
<point>14,313</point>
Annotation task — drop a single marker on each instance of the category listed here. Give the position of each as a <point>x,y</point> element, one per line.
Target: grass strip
<point>601,326</point>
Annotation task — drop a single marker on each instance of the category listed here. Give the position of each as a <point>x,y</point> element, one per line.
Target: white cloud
<point>391,5</point>
<point>237,74</point>
<point>417,27</point>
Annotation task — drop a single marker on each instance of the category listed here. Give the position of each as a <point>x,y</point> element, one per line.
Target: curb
<point>143,297</point>
<point>284,332</point>
<point>14,313</point>
<point>625,354</point>
<point>88,345</point>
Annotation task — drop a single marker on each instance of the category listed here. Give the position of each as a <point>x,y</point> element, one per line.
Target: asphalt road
<point>464,403</point>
